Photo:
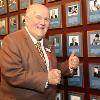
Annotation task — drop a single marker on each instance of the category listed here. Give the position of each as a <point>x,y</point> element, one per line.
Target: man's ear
<point>26,18</point>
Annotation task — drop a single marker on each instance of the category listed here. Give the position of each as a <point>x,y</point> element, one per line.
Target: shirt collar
<point>33,38</point>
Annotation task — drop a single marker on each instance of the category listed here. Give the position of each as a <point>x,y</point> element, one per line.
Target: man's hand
<point>73,61</point>
<point>54,76</point>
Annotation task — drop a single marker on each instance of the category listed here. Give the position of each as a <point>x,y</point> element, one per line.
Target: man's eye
<point>47,19</point>
<point>39,17</point>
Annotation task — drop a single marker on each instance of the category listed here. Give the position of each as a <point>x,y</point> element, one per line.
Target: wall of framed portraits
<point>74,27</point>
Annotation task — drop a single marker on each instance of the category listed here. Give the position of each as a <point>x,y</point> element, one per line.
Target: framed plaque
<point>57,42</point>
<point>22,20</point>
<point>24,4</point>
<point>94,43</point>
<point>13,5</point>
<point>38,1</point>
<point>77,78</point>
<point>94,75</point>
<point>55,17</point>
<point>13,23</point>
<point>75,96</point>
<point>3,6</point>
<point>3,26</point>
<point>93,11</point>
<point>94,97</point>
<point>73,14</point>
<point>74,43</point>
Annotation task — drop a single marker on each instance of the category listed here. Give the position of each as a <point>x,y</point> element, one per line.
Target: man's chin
<point>40,37</point>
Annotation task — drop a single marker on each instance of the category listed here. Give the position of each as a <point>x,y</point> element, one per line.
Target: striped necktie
<point>38,46</point>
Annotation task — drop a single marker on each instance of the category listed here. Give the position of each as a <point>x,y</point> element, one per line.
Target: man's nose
<point>43,21</point>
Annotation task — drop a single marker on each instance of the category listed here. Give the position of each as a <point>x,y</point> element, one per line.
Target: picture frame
<point>22,20</point>
<point>93,43</point>
<point>24,3</point>
<point>75,96</point>
<point>93,11</point>
<point>77,78</point>
<point>94,97</point>
<point>57,42</point>
<point>59,95</point>
<point>38,1</point>
<point>13,23</point>
<point>3,7</point>
<point>55,17</point>
<point>94,75</point>
<point>3,26</point>
<point>12,5</point>
<point>73,14</point>
<point>53,0</point>
<point>74,43</point>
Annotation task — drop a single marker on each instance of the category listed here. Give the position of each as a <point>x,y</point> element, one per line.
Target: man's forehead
<point>37,7</point>
<point>38,10</point>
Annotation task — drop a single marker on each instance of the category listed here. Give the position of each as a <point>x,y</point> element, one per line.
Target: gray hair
<point>31,8</point>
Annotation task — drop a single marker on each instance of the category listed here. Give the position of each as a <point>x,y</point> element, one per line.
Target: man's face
<point>38,22</point>
<point>73,39</point>
<point>96,39</point>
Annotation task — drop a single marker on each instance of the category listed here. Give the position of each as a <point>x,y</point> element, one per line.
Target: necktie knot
<point>38,44</point>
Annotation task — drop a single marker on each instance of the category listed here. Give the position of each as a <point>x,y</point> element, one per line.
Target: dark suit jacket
<point>23,72</point>
<point>72,44</point>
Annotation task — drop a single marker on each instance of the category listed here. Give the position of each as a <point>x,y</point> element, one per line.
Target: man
<point>96,72</point>
<point>96,40</point>
<point>74,43</point>
<point>53,14</point>
<point>25,75</point>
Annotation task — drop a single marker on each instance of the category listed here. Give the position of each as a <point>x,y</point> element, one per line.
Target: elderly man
<point>28,62</point>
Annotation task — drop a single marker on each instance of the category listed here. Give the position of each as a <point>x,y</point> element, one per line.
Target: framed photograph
<point>77,78</point>
<point>3,26</point>
<point>93,11</point>
<point>75,96</point>
<point>13,5</point>
<point>3,6</point>
<point>38,1</point>
<point>57,42</point>
<point>55,17</point>
<point>93,43</point>
<point>73,14</point>
<point>75,43</point>
<point>24,3</point>
<point>13,24</point>
<point>59,95</point>
<point>94,97</point>
<point>0,43</point>
<point>53,0</point>
<point>22,20</point>
<point>94,75</point>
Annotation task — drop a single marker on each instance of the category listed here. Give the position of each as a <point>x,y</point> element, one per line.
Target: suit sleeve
<point>63,66</point>
<point>15,73</point>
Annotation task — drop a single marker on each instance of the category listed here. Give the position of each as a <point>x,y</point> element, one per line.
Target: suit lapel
<point>34,51</point>
<point>48,49</point>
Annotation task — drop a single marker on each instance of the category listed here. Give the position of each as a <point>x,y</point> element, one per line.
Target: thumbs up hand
<point>73,61</point>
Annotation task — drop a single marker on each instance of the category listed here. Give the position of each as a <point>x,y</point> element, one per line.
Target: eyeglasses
<point>47,20</point>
